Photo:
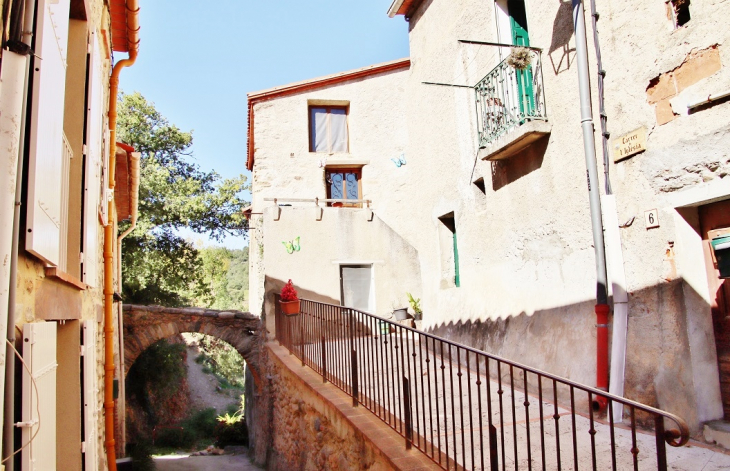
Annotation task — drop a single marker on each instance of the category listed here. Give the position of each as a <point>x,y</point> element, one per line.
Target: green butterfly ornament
<point>292,246</point>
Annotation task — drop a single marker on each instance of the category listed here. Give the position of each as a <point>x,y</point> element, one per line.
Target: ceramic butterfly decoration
<point>292,246</point>
<point>400,160</point>
<point>322,162</point>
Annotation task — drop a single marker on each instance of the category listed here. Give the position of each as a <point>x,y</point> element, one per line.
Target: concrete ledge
<point>718,432</point>
<point>515,140</point>
<point>384,440</point>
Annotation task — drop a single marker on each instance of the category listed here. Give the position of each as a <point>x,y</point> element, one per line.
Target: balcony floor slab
<point>516,140</point>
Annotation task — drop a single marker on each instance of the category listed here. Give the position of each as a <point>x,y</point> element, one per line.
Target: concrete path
<point>203,463</point>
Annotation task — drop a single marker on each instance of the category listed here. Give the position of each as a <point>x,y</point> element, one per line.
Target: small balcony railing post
<point>407,413</point>
<point>353,358</point>
<point>661,446</point>
<point>324,360</point>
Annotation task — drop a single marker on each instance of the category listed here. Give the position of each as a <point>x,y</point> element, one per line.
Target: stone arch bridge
<point>145,325</point>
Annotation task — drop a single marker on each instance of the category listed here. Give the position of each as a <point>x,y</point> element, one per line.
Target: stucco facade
<point>526,263</point>
<point>57,285</point>
<point>329,237</point>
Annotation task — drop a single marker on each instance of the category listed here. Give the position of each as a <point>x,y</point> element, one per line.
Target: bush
<point>231,433</point>
<point>141,454</point>
<point>202,423</point>
<point>175,437</point>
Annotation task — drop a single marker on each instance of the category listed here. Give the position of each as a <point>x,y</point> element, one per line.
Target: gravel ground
<point>203,392</point>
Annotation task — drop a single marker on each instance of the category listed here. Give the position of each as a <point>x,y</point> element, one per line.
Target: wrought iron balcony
<point>509,97</point>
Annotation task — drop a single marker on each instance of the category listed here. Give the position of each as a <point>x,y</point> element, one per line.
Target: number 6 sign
<point>651,218</point>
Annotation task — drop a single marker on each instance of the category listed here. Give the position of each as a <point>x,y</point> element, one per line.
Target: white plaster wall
<point>284,168</point>
<point>525,245</point>
<point>341,237</point>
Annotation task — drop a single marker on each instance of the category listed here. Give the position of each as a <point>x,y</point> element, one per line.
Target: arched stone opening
<point>145,325</point>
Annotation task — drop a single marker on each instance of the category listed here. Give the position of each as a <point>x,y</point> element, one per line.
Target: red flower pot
<point>290,308</point>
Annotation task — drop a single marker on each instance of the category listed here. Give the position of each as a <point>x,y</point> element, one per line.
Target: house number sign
<point>629,144</point>
<point>651,218</point>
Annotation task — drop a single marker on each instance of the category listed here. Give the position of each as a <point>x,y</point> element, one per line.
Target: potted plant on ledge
<point>289,300</point>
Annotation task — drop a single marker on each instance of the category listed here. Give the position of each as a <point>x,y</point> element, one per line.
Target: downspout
<point>133,46</point>
<point>614,250</point>
<point>589,146</point>
<point>134,158</point>
<point>21,38</point>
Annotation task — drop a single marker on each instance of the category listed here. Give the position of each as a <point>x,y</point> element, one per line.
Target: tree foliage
<point>225,277</point>
<point>160,266</point>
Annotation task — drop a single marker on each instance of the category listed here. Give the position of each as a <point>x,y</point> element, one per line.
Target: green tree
<point>225,276</point>
<point>160,266</point>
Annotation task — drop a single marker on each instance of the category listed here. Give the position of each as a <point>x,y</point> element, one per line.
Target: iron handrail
<point>333,340</point>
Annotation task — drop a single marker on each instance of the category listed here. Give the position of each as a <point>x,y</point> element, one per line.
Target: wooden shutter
<point>39,353</point>
<point>94,156</point>
<point>46,131</point>
<point>91,397</point>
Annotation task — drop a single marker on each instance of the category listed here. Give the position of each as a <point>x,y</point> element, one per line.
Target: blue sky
<point>199,59</point>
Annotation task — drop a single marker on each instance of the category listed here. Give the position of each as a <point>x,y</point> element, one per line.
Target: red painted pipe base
<point>602,310</point>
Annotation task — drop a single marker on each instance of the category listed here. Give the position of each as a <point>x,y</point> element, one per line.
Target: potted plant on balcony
<point>416,306</point>
<point>289,301</point>
<point>520,58</point>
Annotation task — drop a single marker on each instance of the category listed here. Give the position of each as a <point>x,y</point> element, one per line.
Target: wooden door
<point>716,216</point>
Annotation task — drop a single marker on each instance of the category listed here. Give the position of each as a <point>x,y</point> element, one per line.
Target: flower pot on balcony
<point>400,314</point>
<point>290,308</point>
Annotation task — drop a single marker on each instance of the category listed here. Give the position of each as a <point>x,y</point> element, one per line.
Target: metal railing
<point>465,408</point>
<point>508,97</point>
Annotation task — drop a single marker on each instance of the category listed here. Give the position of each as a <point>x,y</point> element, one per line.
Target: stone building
<point>73,184</point>
<point>487,218</point>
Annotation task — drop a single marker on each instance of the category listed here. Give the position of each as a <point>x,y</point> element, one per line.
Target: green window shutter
<point>520,37</point>
<point>457,280</point>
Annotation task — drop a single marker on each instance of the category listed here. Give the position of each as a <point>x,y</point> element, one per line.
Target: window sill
<point>55,273</point>
<point>515,140</point>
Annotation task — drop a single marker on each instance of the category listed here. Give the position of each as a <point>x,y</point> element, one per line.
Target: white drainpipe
<point>615,258</point>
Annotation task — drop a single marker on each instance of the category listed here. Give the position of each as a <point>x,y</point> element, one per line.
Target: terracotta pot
<point>290,308</point>
<point>337,204</point>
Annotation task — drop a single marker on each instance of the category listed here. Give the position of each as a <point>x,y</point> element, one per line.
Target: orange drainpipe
<point>109,239</point>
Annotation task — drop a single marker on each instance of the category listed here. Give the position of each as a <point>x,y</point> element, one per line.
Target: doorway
<point>716,216</point>
<point>356,283</point>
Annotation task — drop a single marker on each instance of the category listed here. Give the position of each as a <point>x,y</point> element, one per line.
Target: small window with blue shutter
<point>344,184</point>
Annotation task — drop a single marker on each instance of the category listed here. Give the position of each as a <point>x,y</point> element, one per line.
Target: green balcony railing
<point>509,97</point>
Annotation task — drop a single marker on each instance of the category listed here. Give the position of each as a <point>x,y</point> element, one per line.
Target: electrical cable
<point>37,402</point>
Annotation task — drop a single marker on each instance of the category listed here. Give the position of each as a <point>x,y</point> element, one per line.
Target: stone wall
<point>301,430</point>
<point>145,325</point>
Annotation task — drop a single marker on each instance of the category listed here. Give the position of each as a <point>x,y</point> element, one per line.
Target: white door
<point>39,397</point>
<point>357,287</point>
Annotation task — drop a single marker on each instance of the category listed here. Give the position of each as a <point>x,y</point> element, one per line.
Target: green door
<point>518,22</point>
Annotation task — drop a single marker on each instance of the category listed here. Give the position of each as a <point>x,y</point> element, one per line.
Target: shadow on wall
<point>562,32</point>
<point>509,170</point>
<point>562,341</point>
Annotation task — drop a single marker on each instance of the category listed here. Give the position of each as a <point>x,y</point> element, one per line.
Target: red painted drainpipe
<point>602,310</point>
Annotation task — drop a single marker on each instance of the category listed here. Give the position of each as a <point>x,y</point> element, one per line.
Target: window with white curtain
<point>328,129</point>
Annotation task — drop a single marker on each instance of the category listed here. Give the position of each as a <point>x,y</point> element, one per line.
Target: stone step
<point>718,432</point>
